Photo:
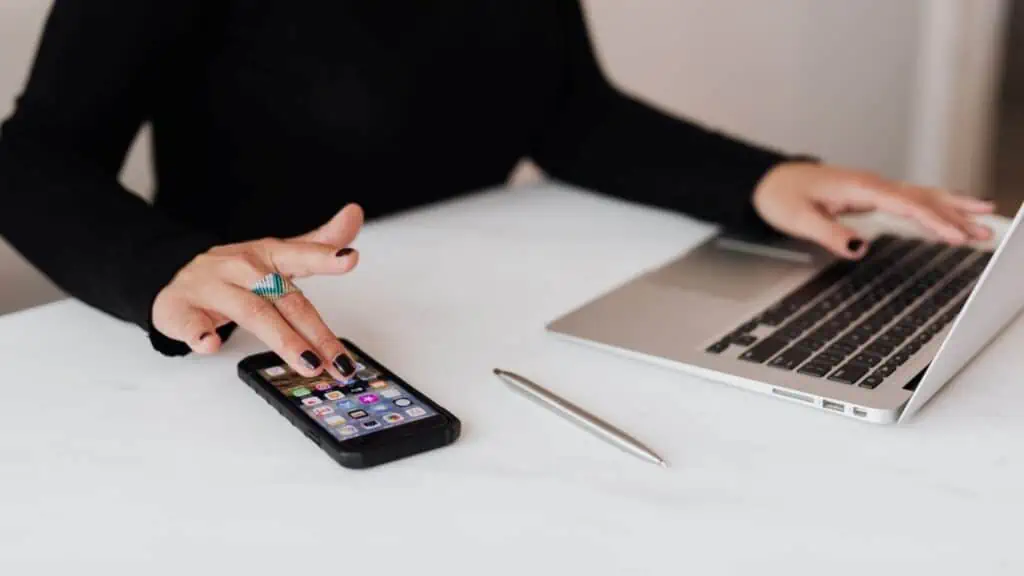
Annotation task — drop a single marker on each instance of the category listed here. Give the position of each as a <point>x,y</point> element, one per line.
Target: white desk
<point>110,454</point>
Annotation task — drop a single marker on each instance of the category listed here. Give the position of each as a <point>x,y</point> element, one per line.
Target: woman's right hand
<point>214,289</point>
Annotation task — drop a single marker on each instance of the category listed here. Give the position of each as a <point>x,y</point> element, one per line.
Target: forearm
<point>93,238</point>
<point>614,144</point>
<point>98,68</point>
<point>595,136</point>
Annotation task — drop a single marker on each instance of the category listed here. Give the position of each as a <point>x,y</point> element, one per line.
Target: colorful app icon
<point>391,393</point>
<point>369,398</point>
<point>370,424</point>
<point>416,412</point>
<point>334,395</point>
<point>367,374</point>
<point>300,392</point>
<point>357,414</point>
<point>356,389</point>
<point>403,402</point>
<point>275,371</point>
<point>312,401</point>
<point>323,386</point>
<point>334,420</point>
<point>323,410</point>
<point>379,408</point>
<point>378,384</point>
<point>348,430</point>
<point>392,418</point>
<point>346,404</point>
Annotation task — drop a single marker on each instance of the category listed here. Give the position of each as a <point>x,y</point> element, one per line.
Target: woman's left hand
<point>803,199</point>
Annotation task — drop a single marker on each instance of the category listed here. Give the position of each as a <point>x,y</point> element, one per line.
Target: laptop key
<point>854,339</point>
<point>744,339</point>
<point>886,369</point>
<point>718,347</point>
<point>871,382</point>
<point>867,359</point>
<point>764,350</point>
<point>811,343</point>
<point>892,337</point>
<point>790,359</point>
<point>842,347</point>
<point>880,348</point>
<point>849,373</point>
<point>789,332</point>
<point>830,358</point>
<point>748,327</point>
<point>902,330</point>
<point>815,369</point>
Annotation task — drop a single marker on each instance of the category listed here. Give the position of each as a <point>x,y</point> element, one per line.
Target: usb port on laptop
<point>830,405</point>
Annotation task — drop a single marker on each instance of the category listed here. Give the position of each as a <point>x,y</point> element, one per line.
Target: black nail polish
<point>205,335</point>
<point>344,365</point>
<point>855,244</point>
<point>344,252</point>
<point>312,360</point>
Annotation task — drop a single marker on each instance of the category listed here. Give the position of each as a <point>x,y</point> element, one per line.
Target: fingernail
<point>312,360</point>
<point>205,335</point>
<point>344,252</point>
<point>855,244</point>
<point>344,365</point>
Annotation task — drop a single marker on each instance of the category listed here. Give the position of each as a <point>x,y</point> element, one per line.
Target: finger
<point>302,259</point>
<point>219,319</point>
<point>971,204</point>
<point>243,273</point>
<point>298,311</point>
<point>964,222</point>
<point>900,204</point>
<point>262,319</point>
<point>811,224</point>
<point>340,231</point>
<point>179,320</point>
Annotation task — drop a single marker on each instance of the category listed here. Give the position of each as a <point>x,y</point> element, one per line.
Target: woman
<point>268,116</point>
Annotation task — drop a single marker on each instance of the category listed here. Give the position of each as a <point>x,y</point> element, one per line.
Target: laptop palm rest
<point>733,270</point>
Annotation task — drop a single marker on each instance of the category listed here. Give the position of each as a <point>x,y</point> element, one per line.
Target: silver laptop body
<point>789,321</point>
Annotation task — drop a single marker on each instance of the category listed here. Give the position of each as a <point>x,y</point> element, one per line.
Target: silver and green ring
<point>273,287</point>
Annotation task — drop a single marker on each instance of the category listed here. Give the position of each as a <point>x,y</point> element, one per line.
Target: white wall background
<point>834,78</point>
<point>20,21</point>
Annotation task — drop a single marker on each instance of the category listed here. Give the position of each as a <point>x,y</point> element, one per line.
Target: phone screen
<point>368,402</point>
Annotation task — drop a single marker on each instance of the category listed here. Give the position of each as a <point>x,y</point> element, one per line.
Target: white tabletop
<point>112,455</point>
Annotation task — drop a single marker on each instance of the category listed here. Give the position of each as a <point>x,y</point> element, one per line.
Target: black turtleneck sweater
<point>269,115</point>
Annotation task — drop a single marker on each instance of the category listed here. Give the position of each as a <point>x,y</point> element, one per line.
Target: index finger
<point>264,321</point>
<point>302,259</point>
<point>926,215</point>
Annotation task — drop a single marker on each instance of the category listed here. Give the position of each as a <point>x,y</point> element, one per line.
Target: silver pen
<point>579,416</point>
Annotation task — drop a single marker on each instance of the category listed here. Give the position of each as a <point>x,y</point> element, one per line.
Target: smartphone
<point>372,418</point>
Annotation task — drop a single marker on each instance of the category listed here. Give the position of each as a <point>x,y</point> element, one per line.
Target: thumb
<point>816,226</point>
<point>340,231</point>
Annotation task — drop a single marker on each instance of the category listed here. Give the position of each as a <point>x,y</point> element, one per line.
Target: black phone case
<point>400,445</point>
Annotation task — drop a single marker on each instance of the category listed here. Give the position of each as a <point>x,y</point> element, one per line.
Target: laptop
<point>872,340</point>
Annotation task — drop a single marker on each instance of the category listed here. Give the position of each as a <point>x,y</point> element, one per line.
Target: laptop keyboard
<point>857,322</point>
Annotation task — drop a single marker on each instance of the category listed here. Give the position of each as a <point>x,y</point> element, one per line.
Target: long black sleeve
<point>60,154</point>
<point>599,138</point>
<point>268,116</point>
